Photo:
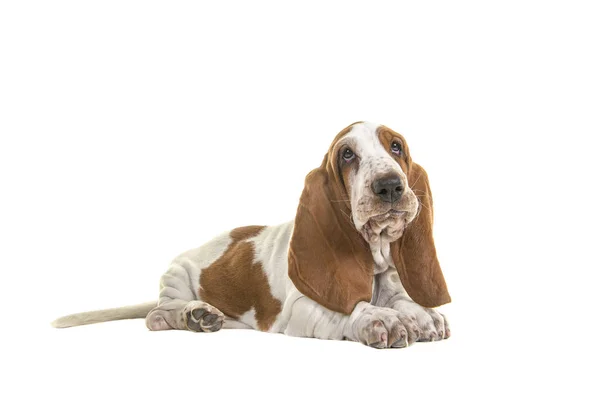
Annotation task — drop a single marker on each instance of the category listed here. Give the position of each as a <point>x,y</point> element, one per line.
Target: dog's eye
<point>348,155</point>
<point>396,148</point>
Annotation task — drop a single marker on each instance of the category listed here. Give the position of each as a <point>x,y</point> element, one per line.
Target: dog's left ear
<point>414,253</point>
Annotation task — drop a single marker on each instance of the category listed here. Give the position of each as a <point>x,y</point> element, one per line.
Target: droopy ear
<point>328,259</point>
<point>414,253</point>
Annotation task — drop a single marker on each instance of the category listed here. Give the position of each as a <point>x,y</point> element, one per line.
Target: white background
<point>131,131</point>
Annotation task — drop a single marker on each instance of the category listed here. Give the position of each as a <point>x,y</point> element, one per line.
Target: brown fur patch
<point>386,137</point>
<point>246,232</point>
<point>235,283</point>
<point>346,171</point>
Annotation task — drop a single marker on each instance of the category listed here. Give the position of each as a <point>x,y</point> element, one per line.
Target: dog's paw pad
<point>202,317</point>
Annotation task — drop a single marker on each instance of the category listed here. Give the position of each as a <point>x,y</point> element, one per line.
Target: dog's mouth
<point>388,226</point>
<point>389,215</point>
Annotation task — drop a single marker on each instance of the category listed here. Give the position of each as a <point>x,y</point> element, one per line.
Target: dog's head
<point>373,162</point>
<point>368,205</point>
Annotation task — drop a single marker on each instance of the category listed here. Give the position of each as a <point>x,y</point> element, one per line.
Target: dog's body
<point>328,274</point>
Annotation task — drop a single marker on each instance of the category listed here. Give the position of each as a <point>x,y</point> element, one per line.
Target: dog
<point>357,263</point>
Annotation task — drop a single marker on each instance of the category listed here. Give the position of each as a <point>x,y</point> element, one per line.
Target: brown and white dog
<point>358,262</point>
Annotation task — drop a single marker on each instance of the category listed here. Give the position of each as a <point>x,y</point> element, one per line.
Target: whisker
<point>349,218</point>
<point>419,177</point>
<point>418,190</point>
<point>340,201</point>
<point>423,204</point>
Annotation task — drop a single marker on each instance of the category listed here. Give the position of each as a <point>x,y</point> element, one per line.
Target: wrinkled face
<point>373,164</point>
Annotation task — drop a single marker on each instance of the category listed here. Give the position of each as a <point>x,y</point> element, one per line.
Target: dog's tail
<point>111,314</point>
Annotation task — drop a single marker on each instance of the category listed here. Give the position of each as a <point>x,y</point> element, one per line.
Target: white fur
<point>375,161</point>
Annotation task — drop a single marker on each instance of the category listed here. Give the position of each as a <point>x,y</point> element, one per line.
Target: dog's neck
<point>381,256</point>
<point>380,247</point>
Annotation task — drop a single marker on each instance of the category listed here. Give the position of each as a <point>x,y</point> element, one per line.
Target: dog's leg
<point>179,308</point>
<point>377,327</point>
<point>195,315</point>
<point>423,324</point>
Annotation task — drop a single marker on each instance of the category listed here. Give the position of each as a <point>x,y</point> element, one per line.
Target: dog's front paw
<point>423,324</point>
<point>380,328</point>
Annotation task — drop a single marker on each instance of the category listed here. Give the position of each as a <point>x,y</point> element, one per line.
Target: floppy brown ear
<point>328,259</point>
<point>414,253</point>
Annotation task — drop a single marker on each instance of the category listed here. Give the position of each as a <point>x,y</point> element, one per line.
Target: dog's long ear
<point>414,253</point>
<point>328,259</point>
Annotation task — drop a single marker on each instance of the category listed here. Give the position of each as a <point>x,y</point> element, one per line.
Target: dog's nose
<point>389,188</point>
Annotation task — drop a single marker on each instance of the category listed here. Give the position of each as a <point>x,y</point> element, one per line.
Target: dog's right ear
<point>328,259</point>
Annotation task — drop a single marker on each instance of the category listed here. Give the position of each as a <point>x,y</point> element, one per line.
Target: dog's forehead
<point>365,137</point>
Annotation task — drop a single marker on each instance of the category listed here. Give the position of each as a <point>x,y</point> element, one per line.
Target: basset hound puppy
<point>357,263</point>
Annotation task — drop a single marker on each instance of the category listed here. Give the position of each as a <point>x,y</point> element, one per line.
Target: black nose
<point>389,188</point>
